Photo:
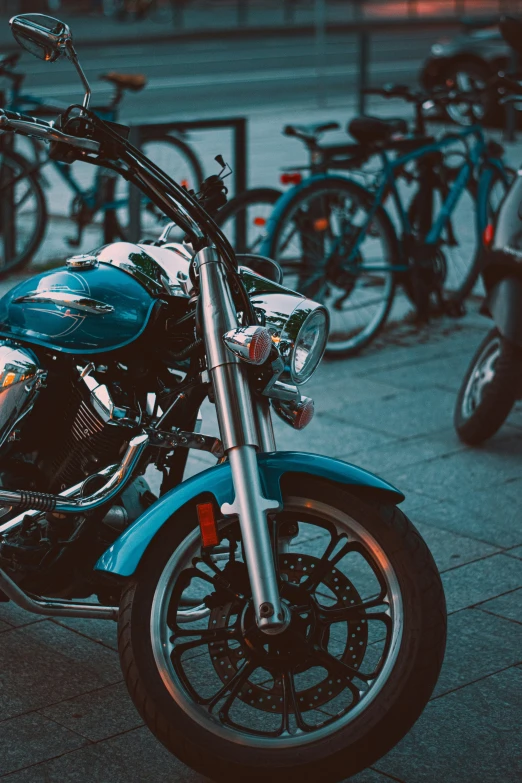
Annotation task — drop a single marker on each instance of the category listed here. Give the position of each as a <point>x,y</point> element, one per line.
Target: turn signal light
<point>251,343</point>
<point>297,414</point>
<point>291,178</point>
<point>489,235</point>
<point>207,524</point>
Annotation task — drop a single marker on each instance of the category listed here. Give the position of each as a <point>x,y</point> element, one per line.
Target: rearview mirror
<point>511,31</point>
<point>45,37</point>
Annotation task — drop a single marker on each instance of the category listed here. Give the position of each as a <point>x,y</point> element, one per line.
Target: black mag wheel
<point>254,207</point>
<point>23,212</point>
<point>489,390</point>
<point>178,160</point>
<point>320,701</point>
<point>313,242</point>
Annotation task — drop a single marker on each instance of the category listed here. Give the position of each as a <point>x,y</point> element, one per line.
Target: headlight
<point>298,326</point>
<point>309,345</point>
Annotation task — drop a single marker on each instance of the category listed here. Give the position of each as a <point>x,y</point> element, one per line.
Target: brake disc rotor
<point>268,695</point>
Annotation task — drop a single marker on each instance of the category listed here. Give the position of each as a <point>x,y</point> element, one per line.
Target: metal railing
<point>239,163</point>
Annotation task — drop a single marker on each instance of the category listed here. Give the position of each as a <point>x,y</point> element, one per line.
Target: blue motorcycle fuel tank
<point>97,303</point>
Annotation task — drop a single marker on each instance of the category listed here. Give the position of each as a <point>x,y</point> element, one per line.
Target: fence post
<point>288,11</point>
<point>511,114</point>
<point>134,210</point>
<point>178,13</point>
<point>364,56</point>
<point>240,176</point>
<point>320,46</point>
<point>7,210</point>
<point>242,13</point>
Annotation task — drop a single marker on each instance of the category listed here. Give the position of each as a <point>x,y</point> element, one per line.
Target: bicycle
<point>245,216</point>
<point>339,244</point>
<point>24,220</point>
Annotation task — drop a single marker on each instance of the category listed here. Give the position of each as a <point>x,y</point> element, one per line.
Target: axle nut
<point>266,610</point>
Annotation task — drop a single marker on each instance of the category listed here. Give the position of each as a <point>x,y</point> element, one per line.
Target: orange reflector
<point>207,524</point>
<point>259,221</point>
<point>304,415</point>
<point>185,184</point>
<point>489,235</point>
<point>321,224</point>
<point>291,178</point>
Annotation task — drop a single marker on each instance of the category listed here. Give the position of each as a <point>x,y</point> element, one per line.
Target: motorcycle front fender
<point>123,557</point>
<point>504,302</point>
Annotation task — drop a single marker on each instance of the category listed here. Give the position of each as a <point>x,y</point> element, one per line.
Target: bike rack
<point>238,126</point>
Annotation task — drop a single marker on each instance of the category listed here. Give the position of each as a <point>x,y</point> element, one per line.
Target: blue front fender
<point>123,557</point>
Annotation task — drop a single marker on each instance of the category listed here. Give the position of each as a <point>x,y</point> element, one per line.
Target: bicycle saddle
<point>10,60</point>
<point>367,130</point>
<point>126,81</point>
<point>310,132</point>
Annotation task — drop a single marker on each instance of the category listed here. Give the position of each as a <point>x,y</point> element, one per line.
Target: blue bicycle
<point>338,243</point>
<point>23,210</point>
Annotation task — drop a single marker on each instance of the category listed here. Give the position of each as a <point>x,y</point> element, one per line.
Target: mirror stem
<point>73,57</point>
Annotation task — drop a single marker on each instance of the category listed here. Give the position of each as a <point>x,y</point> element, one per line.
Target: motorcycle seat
<point>125,81</point>
<point>368,130</point>
<point>310,132</point>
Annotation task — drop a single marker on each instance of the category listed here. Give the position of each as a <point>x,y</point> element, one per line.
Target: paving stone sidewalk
<point>64,712</point>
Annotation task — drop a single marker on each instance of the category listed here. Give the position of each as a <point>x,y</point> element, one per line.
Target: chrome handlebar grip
<point>46,132</point>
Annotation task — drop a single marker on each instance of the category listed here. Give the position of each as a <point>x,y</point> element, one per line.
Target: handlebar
<point>31,126</point>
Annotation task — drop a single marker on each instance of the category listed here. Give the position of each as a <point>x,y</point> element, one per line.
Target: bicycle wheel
<point>23,212</point>
<point>177,159</point>
<point>458,253</point>
<point>255,207</point>
<point>317,241</point>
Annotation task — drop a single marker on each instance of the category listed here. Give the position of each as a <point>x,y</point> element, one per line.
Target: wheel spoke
<point>290,703</point>
<point>342,614</point>
<point>238,680</point>
<point>340,669</point>
<point>233,686</point>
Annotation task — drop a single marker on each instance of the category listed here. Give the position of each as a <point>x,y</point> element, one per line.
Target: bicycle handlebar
<point>31,126</point>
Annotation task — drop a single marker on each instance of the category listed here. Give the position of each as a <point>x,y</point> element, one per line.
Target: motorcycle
<point>278,615</point>
<point>493,381</point>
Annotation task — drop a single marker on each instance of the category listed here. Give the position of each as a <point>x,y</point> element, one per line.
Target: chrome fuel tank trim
<point>156,268</point>
<point>78,302</point>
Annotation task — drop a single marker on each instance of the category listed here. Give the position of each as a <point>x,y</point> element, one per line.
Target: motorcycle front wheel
<point>322,700</point>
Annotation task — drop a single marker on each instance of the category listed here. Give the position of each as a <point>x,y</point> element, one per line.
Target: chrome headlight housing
<point>298,326</point>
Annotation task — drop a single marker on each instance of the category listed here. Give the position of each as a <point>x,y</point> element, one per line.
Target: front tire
<point>352,718</point>
<point>489,390</point>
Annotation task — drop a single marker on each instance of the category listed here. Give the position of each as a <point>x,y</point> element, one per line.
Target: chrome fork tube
<point>237,425</point>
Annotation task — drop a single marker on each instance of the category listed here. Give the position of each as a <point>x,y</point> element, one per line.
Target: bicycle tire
<point>23,171</point>
<point>192,181</point>
<point>338,348</point>
<point>256,197</point>
<point>456,297</point>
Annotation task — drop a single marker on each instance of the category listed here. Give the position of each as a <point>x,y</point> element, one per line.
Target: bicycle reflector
<point>297,414</point>
<point>489,234</point>
<point>259,221</point>
<point>207,524</point>
<point>291,178</point>
<point>251,343</point>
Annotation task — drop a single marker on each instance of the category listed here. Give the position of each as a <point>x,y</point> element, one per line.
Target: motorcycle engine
<point>56,430</point>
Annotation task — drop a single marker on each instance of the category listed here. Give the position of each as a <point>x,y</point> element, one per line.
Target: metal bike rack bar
<point>239,164</point>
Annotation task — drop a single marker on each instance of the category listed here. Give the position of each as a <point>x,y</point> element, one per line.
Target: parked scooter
<point>493,381</point>
<point>279,617</point>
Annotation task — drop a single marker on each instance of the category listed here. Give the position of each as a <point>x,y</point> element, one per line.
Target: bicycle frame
<point>476,156</point>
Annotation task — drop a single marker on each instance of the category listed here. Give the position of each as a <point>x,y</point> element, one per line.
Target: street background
<point>64,712</point>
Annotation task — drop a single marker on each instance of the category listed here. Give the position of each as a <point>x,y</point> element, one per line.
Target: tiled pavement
<point>64,712</point>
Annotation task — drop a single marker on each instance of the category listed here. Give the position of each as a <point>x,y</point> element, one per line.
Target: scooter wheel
<point>489,390</point>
